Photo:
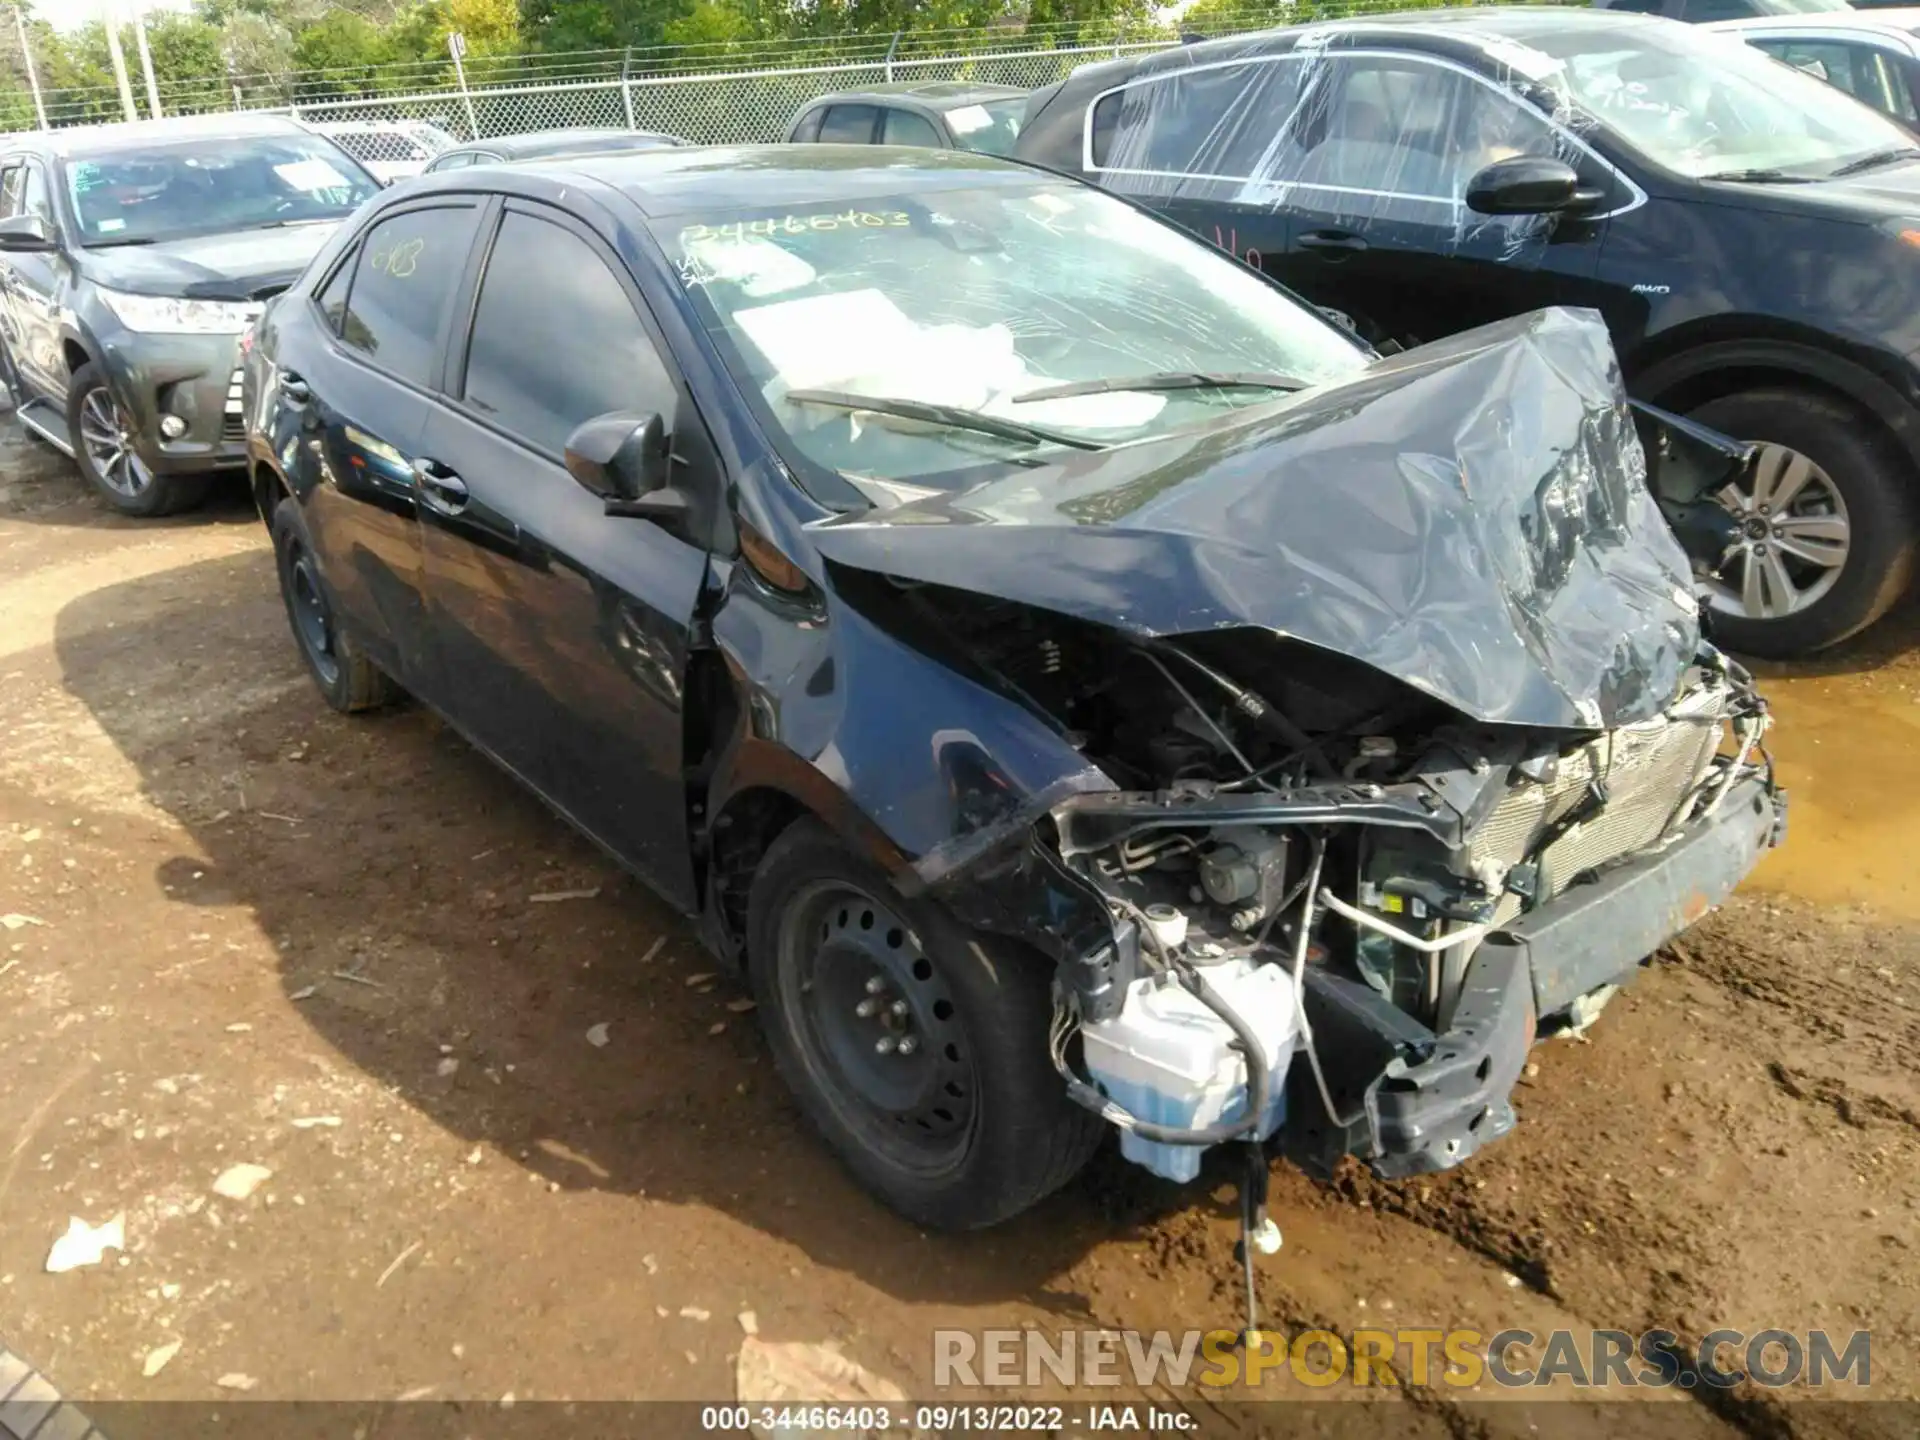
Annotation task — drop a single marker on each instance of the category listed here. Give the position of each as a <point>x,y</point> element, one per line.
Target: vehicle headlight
<point>163,315</point>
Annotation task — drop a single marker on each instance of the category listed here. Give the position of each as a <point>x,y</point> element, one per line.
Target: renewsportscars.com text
<point>1513,1359</point>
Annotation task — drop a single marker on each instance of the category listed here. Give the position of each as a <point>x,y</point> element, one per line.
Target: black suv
<point>131,259</point>
<point>1751,235</point>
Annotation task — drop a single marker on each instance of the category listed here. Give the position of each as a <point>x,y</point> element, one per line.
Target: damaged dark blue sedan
<point>1078,685</point>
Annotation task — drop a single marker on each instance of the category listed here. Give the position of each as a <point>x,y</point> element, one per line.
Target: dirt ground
<point>259,932</point>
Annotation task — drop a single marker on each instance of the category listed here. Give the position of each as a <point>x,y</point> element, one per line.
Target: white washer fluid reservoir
<point>1169,1059</point>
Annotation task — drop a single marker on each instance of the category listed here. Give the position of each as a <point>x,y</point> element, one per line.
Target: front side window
<point>556,340</point>
<point>36,198</point>
<point>848,125</point>
<point>169,190</point>
<point>1399,128</point>
<point>975,298</point>
<point>13,185</point>
<point>402,289</point>
<point>1706,104</point>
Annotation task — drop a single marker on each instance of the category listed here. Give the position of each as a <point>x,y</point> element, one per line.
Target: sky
<point>72,14</point>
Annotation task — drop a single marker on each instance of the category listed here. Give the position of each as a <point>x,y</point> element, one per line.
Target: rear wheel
<point>101,432</point>
<point>1827,519</point>
<point>347,679</point>
<point>916,1047</point>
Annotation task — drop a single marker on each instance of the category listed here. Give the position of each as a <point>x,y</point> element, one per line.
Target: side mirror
<point>1529,185</point>
<point>26,233</point>
<point>624,458</point>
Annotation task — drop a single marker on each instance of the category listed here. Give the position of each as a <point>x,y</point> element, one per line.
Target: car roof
<point>718,178</point>
<point>128,134</point>
<point>1477,28</point>
<point>934,94</point>
<point>1903,21</point>
<point>556,142</point>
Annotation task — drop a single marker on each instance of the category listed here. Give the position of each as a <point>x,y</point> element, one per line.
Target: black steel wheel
<point>916,1046</point>
<point>878,1023</point>
<point>346,678</point>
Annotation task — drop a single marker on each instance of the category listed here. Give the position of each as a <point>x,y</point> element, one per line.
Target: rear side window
<point>848,125</point>
<point>458,160</point>
<point>903,127</point>
<point>402,289</point>
<point>556,340</point>
<point>808,130</point>
<point>1221,122</point>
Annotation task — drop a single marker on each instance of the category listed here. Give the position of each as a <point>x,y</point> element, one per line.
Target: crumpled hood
<point>1471,517</point>
<point>239,265</point>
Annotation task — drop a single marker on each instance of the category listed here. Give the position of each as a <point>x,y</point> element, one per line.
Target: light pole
<point>146,57</point>
<point>119,59</point>
<point>33,76</point>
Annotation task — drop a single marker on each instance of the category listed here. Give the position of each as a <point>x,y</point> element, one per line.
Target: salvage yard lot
<point>354,953</point>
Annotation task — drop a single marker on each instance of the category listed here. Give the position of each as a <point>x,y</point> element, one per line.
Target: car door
<point>34,284</point>
<point>1195,145</point>
<point>1375,167</point>
<point>561,631</point>
<point>348,404</point>
<point>13,182</point>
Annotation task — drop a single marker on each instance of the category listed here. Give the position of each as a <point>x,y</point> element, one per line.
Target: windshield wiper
<point>1166,380</point>
<point>1874,161</point>
<point>1759,177</point>
<point>109,244</point>
<point>956,417</point>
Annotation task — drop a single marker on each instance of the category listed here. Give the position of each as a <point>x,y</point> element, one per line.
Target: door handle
<point>440,487</point>
<point>1334,244</point>
<point>293,389</point>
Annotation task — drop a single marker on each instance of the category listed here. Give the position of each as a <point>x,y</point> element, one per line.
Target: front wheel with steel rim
<point>1827,533</point>
<point>918,1048</point>
<point>105,447</point>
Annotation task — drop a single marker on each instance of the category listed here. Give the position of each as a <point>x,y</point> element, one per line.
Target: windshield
<point>971,299</point>
<point>991,128</point>
<point>1705,104</point>
<point>208,185</point>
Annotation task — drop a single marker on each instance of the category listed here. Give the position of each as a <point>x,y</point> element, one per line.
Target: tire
<point>347,680</point>
<point>978,1008</point>
<point>1874,485</point>
<point>127,485</point>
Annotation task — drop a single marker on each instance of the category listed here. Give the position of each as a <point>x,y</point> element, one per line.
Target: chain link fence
<point>733,93</point>
<point>737,108</point>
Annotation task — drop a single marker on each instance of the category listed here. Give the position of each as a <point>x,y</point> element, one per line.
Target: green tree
<point>187,62</point>
<point>341,53</point>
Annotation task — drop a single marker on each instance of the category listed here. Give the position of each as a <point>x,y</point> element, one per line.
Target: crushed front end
<point>1386,737</point>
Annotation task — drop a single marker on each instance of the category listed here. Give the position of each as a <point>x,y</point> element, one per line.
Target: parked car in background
<point>868,545</point>
<point>548,143</point>
<point>939,114</point>
<point>1874,55</point>
<point>131,259</point>
<point>1749,233</point>
<point>390,149</point>
<point>1694,12</point>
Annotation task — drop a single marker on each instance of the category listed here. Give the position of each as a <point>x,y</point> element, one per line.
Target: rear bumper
<point>1426,1101</point>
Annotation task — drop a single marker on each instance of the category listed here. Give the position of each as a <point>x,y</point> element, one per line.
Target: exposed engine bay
<point>1290,819</point>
